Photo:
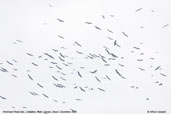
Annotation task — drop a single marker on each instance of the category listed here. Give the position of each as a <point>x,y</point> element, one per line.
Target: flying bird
<point>60,36</point>
<point>77,44</point>
<point>119,74</point>
<point>82,89</point>
<point>3,98</point>
<point>30,77</point>
<point>124,34</point>
<point>101,89</point>
<point>97,27</point>
<point>60,20</point>
<point>93,71</point>
<point>138,9</point>
<point>164,26</point>
<point>3,69</point>
<point>40,85</point>
<point>79,74</point>
<point>88,23</point>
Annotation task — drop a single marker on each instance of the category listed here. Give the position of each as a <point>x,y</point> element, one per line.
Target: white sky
<point>35,23</point>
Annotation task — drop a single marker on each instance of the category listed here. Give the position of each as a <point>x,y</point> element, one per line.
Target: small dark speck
<point>60,20</point>
<point>88,23</point>
<point>97,27</point>
<point>2,97</point>
<point>164,26</point>
<point>50,5</point>
<point>111,15</point>
<point>162,74</point>
<point>138,9</point>
<point>160,84</point>
<point>124,34</point>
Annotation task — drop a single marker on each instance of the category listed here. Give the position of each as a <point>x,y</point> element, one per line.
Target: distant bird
<point>34,64</point>
<point>112,54</point>
<point>15,61</point>
<point>49,55</point>
<point>73,111</point>
<point>54,78</point>
<point>30,77</point>
<point>60,20</point>
<point>77,44</point>
<point>82,67</point>
<point>19,41</point>
<point>121,65</point>
<point>160,84</point>
<point>139,59</point>
<point>93,71</point>
<point>162,74</point>
<point>110,38</point>
<point>40,85</point>
<point>50,5</point>
<point>103,16</point>
<point>141,27</point>
<point>119,74</point>
<point>55,100</point>
<point>138,9</point>
<point>124,34</point>
<point>109,30</point>
<point>97,79</point>
<point>79,74</point>
<point>79,52</point>
<point>78,99</point>
<point>164,26</point>
<point>157,68</point>
<point>3,69</point>
<point>111,15</point>
<point>136,48</point>
<point>152,58</point>
<point>39,56</point>
<point>91,89</point>
<point>9,63</point>
<point>33,93</point>
<point>97,27</point>
<point>58,67</point>
<point>54,63</point>
<point>61,55</point>
<point>14,75</point>
<point>3,98</point>
<point>89,23</point>
<point>141,53</point>
<point>107,77</point>
<point>82,89</point>
<point>45,95</point>
<point>61,59</point>
<point>147,99</point>
<point>141,69</point>
<point>59,85</point>
<point>116,44</point>
<point>101,89</point>
<point>106,64</point>
<point>75,87</point>
<point>55,50</point>
<point>102,58</point>
<point>63,78</point>
<point>29,54</point>
<point>60,36</point>
<point>132,86</point>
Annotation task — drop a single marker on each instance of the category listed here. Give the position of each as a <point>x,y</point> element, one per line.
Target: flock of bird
<point>65,71</point>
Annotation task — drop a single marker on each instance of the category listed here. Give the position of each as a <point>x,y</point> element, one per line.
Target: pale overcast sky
<point>72,43</point>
